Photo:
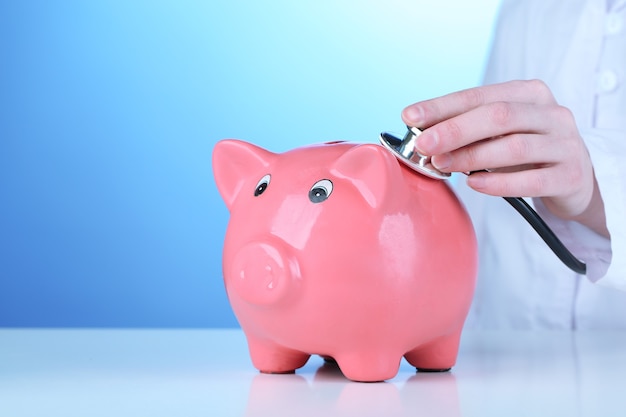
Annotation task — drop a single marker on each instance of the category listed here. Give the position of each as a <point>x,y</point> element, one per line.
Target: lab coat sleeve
<point>514,56</point>
<point>608,152</point>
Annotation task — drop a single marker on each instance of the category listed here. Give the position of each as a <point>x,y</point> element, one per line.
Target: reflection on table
<point>208,373</point>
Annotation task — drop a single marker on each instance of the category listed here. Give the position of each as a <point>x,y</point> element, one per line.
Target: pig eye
<point>320,191</point>
<point>262,185</point>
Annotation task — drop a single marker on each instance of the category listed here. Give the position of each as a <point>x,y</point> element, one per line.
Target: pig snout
<point>264,273</point>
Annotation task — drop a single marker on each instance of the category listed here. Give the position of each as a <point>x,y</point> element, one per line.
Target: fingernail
<point>427,142</point>
<point>442,162</point>
<point>476,182</point>
<point>414,115</point>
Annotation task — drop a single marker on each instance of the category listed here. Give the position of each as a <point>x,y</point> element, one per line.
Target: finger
<point>487,121</point>
<point>502,152</point>
<point>429,112</point>
<point>565,192</point>
<point>540,182</point>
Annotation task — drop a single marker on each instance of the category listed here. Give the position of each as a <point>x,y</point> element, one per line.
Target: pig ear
<point>371,169</point>
<point>234,161</point>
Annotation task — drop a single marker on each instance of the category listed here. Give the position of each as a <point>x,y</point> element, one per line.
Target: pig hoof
<point>293,371</point>
<point>432,370</point>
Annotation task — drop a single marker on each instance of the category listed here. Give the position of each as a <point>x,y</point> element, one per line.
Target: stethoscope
<point>404,150</point>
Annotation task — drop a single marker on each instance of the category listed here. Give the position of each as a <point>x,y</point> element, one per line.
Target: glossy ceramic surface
<point>338,250</point>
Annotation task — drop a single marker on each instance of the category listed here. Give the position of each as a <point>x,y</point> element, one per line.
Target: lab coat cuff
<point>585,244</point>
<point>606,148</point>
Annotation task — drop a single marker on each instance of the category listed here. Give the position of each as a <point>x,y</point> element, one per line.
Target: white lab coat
<point>578,47</point>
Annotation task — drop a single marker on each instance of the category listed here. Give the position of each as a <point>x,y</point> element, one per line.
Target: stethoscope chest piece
<point>404,150</point>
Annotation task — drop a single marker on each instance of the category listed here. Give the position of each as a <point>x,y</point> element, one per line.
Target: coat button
<point>613,24</point>
<point>606,81</point>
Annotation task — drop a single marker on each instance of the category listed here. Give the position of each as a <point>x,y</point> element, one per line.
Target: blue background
<point>109,110</point>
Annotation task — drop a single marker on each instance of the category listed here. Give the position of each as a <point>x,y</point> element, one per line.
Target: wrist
<point>592,216</point>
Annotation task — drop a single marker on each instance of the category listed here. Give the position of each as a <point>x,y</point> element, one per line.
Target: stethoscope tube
<point>404,151</point>
<point>548,236</point>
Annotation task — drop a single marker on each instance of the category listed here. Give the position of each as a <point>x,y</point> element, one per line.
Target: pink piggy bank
<point>338,250</point>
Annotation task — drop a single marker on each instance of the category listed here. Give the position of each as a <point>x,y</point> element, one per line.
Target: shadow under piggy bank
<point>328,393</point>
<point>337,249</point>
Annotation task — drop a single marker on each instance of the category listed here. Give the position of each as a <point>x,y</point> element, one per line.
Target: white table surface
<point>87,372</point>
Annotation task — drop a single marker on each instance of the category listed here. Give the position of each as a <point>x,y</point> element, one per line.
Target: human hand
<point>528,143</point>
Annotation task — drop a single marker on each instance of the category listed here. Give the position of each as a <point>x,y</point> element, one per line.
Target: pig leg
<point>438,355</point>
<point>369,366</point>
<point>270,358</point>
